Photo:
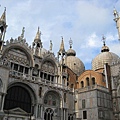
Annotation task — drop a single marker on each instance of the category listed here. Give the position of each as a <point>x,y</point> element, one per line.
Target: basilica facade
<point>37,85</point>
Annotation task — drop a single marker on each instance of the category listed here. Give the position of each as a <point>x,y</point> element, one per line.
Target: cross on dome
<point>103,39</point>
<point>70,43</point>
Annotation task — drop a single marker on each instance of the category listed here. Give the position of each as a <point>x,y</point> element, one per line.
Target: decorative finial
<point>39,30</point>
<point>38,36</point>
<point>51,45</point>
<point>62,37</point>
<point>23,31</point>
<point>70,43</point>
<point>103,39</point>
<point>115,13</point>
<point>5,9</point>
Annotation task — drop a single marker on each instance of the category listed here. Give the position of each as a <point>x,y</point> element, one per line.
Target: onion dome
<point>71,52</point>
<point>105,49</point>
<point>74,63</point>
<point>104,57</point>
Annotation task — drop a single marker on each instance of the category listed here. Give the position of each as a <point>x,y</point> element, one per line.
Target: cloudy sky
<point>84,21</point>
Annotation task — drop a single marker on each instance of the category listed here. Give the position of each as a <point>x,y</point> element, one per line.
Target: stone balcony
<point>15,75</point>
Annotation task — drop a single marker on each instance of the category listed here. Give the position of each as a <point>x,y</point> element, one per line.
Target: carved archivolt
<point>18,56</point>
<point>48,67</point>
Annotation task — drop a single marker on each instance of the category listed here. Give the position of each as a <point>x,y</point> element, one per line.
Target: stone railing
<point>38,80</point>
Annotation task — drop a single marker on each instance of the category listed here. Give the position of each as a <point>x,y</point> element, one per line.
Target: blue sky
<point>84,21</point>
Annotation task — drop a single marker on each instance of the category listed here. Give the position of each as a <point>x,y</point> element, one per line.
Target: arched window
<point>48,115</point>
<point>93,81</point>
<point>87,81</point>
<point>82,84</point>
<point>18,96</point>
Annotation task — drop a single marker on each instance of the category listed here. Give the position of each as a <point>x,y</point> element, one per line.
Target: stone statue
<point>51,45</point>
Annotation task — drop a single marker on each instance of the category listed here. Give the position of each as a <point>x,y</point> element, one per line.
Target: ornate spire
<point>37,41</point>
<point>62,49</point>
<point>70,43</point>
<point>3,27</point>
<point>3,17</point>
<point>38,36</point>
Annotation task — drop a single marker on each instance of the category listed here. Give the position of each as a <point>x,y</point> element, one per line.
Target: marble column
<point>2,101</point>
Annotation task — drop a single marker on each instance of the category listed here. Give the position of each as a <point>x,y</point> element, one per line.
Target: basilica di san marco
<point>37,85</point>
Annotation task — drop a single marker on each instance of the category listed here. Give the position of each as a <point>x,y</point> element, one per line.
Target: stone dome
<point>74,63</point>
<point>104,57</point>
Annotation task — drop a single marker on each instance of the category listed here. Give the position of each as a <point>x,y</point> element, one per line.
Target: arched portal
<point>18,97</point>
<point>51,101</point>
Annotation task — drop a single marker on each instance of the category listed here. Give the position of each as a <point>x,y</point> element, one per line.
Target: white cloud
<point>84,21</point>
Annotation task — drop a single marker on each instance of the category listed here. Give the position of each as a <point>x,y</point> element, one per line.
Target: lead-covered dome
<point>74,63</point>
<point>104,57</point>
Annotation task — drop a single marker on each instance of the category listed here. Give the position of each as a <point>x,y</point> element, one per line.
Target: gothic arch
<point>25,97</point>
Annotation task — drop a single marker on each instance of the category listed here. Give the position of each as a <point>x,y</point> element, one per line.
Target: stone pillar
<point>12,66</point>
<point>42,112</point>
<point>36,110</point>
<point>61,114</point>
<point>18,68</point>
<point>85,83</point>
<point>2,101</point>
<point>31,73</point>
<point>50,78</point>
<point>23,70</point>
